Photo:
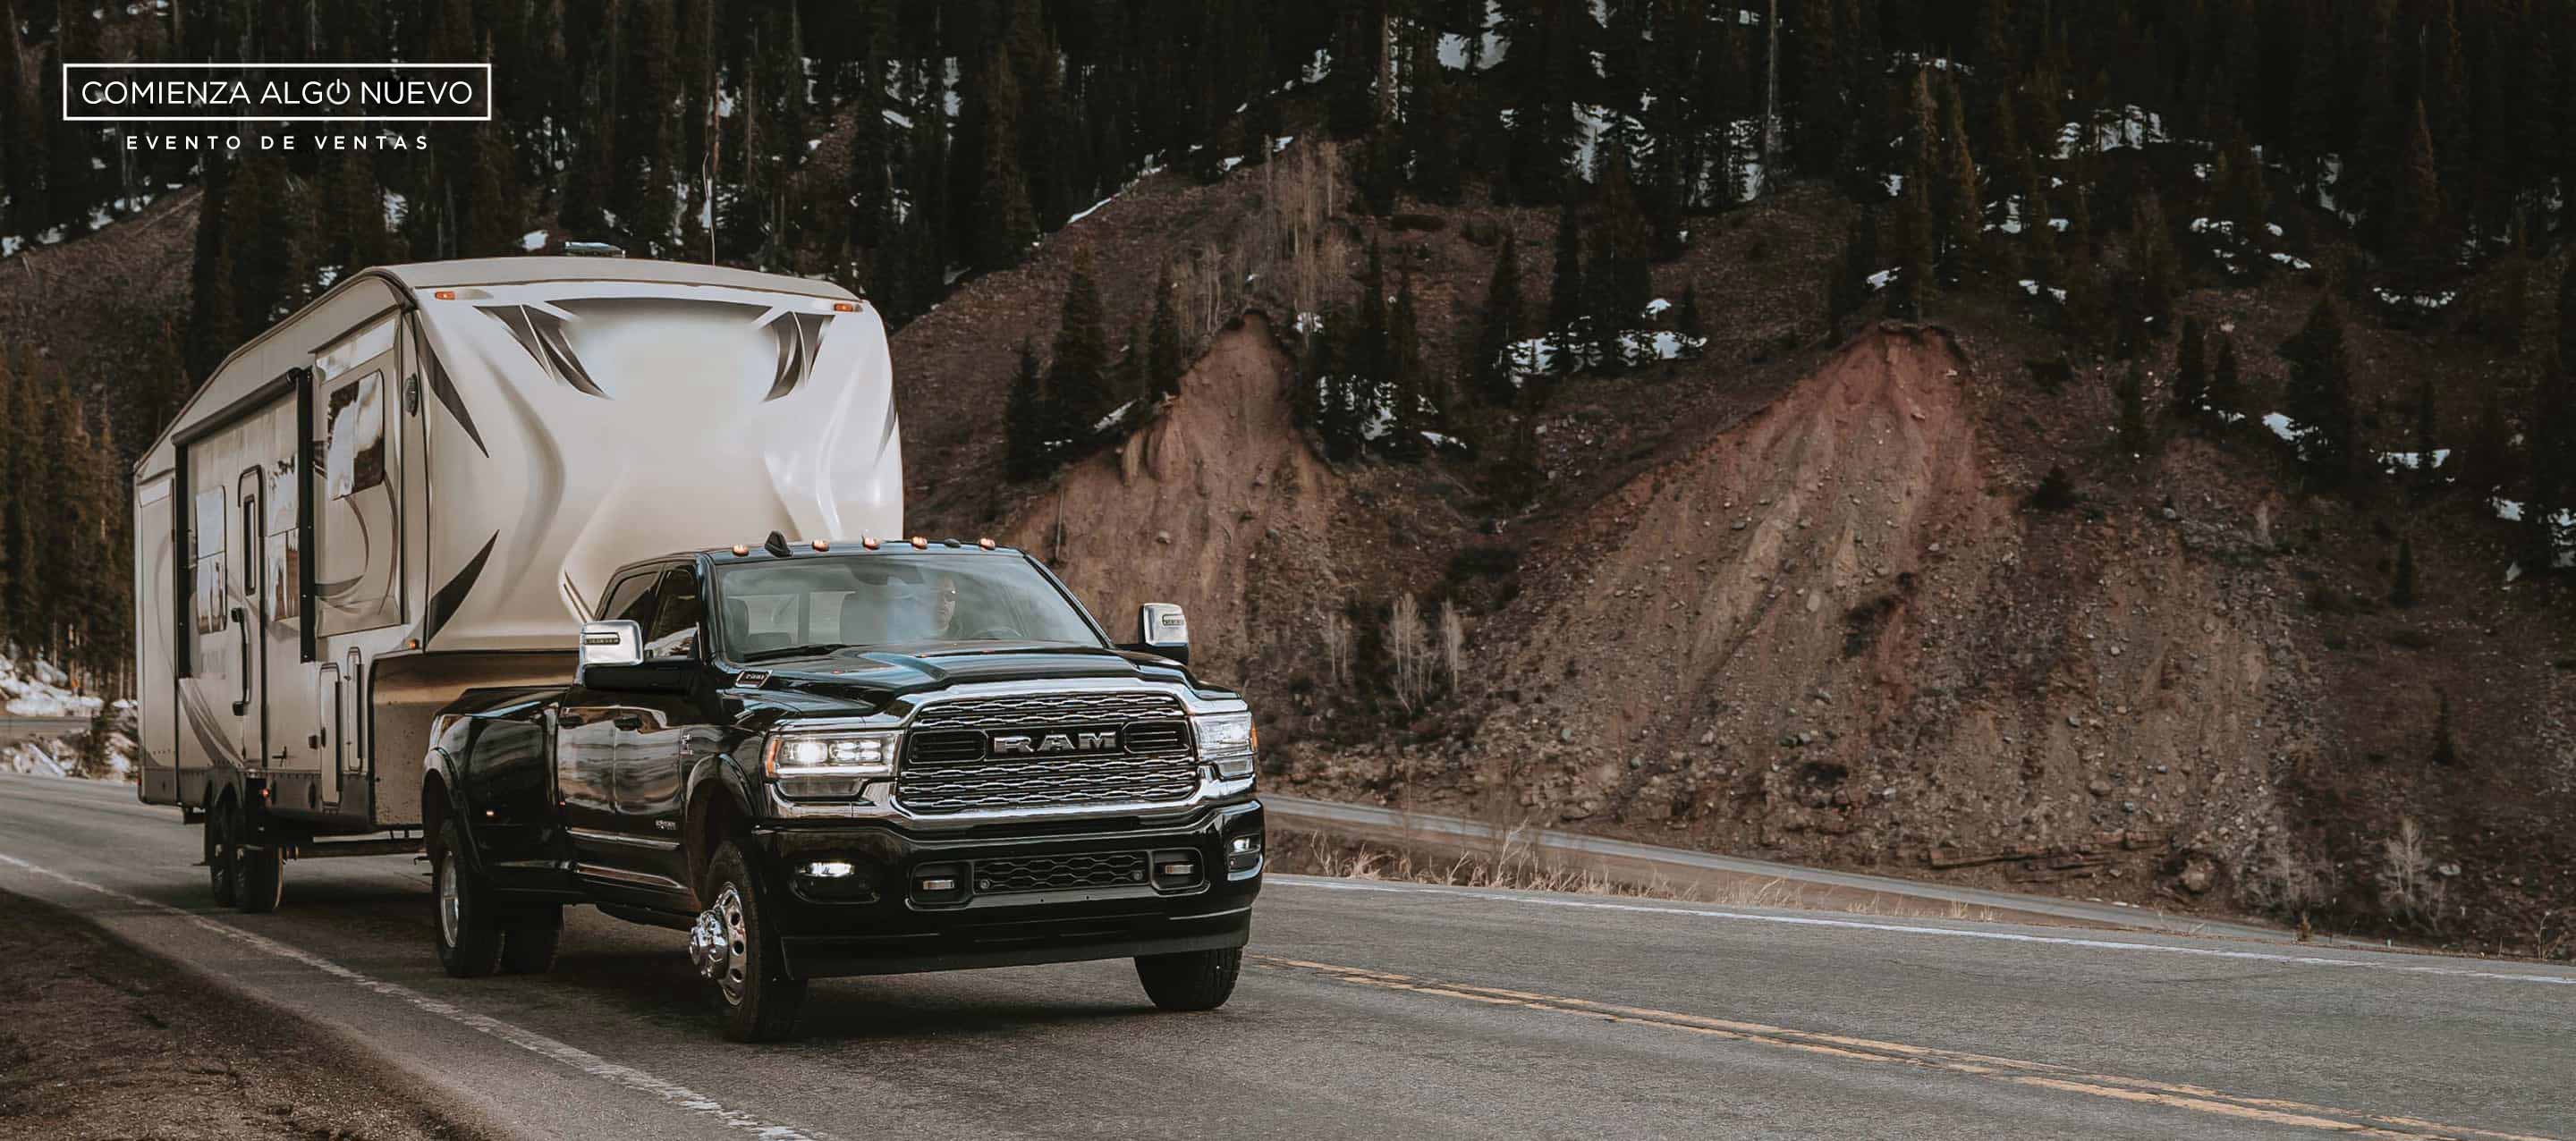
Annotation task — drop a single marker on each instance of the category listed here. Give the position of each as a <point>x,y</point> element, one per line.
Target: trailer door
<point>251,617</point>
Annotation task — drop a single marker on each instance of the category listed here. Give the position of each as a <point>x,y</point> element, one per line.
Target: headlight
<point>824,766</point>
<point>1227,741</point>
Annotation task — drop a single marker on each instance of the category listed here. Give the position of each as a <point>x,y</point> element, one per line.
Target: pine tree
<point>2446,740</point>
<point>1004,225</point>
<point>2417,226</point>
<point>2135,436</point>
<point>1620,281</point>
<point>1407,383</point>
<point>2401,593</point>
<point>2426,479</point>
<point>1914,253</point>
<point>1963,192</point>
<point>1025,420</point>
<point>1686,319</point>
<point>492,219</point>
<point>2566,344</point>
<point>1565,294</point>
<point>2159,267</point>
<point>2318,395</point>
<point>1163,362</point>
<point>2488,467</point>
<point>1502,327</point>
<point>1078,378</point>
<point>2191,370</point>
<point>2549,475</point>
<point>1128,388</point>
<point>1848,290</point>
<point>2226,386</point>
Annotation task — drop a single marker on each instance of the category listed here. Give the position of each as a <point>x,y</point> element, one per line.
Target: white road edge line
<point>529,1040</point>
<point>1916,929</point>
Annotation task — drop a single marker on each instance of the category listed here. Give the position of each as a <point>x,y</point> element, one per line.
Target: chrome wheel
<point>451,906</point>
<point>720,946</point>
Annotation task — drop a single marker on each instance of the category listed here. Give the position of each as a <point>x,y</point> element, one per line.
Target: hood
<point>870,679</point>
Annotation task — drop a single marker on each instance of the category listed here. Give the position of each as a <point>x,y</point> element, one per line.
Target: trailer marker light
<point>445,295</point>
<point>845,307</point>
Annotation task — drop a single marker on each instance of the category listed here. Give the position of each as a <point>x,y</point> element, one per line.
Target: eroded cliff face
<point>1217,505</point>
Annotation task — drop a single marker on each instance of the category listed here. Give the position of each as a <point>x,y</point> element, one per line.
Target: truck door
<point>251,620</point>
<point>658,733</point>
<point>585,751</point>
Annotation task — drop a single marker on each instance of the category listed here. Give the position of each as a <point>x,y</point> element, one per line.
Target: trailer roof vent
<point>592,250</point>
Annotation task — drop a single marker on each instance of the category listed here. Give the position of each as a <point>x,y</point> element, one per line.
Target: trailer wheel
<point>1190,980</point>
<point>529,938</point>
<point>223,854</point>
<point>737,954</point>
<point>469,935</point>
<point>263,879</point>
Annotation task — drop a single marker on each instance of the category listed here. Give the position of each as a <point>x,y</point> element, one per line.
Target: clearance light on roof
<point>868,541</point>
<point>920,544</point>
<point>822,544</point>
<point>987,544</point>
<point>742,548</point>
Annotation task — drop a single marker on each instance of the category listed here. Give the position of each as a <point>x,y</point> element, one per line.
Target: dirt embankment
<point>98,1040</point>
<point>1217,505</point>
<point>1827,634</point>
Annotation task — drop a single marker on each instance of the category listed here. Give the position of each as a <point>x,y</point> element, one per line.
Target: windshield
<point>820,603</point>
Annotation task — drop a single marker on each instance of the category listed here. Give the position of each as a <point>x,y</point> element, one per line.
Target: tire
<point>468,933</point>
<point>737,956</point>
<point>1190,980</point>
<point>529,938</point>
<point>223,854</point>
<point>263,880</point>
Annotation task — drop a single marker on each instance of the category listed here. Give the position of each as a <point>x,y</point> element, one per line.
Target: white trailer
<point>418,483</point>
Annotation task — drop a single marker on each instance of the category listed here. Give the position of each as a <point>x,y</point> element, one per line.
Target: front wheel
<point>737,954</point>
<point>469,934</point>
<point>1190,980</point>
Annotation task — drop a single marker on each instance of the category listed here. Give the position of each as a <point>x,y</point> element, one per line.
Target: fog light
<point>830,869</point>
<point>1242,844</point>
<point>939,884</point>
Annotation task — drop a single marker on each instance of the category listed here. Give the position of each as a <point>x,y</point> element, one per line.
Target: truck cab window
<point>631,598</point>
<point>673,632</point>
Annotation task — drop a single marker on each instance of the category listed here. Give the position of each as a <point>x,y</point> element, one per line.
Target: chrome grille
<point>945,768</point>
<point>1058,873</point>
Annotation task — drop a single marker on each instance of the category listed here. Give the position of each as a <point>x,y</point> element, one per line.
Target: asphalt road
<point>13,727</point>
<point>1372,1010</point>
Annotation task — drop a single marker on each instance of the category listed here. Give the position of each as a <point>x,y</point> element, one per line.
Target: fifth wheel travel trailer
<point>418,484</point>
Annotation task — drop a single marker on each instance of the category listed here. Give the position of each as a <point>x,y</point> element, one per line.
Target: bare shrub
<point>2282,882</point>
<point>2406,884</point>
<point>1406,645</point>
<point>1453,641</point>
<point>1337,649</point>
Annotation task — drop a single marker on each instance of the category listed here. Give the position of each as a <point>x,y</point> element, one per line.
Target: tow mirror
<point>618,643</point>
<point>1162,629</point>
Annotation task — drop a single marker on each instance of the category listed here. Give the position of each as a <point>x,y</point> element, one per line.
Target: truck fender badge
<point>752,679</point>
<point>667,825</point>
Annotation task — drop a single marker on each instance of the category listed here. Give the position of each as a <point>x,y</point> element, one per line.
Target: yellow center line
<point>2043,1075</point>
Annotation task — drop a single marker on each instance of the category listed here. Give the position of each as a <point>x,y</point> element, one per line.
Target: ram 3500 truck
<point>824,759</point>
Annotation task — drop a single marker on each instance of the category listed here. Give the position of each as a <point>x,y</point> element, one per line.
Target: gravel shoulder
<point>100,1040</point>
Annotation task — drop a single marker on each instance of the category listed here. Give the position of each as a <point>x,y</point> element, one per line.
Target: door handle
<point>628,722</point>
<point>241,620</point>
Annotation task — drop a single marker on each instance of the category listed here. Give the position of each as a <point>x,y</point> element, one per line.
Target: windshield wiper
<point>791,652</point>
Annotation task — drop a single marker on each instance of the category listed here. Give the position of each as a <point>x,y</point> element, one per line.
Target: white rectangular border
<point>490,97</point>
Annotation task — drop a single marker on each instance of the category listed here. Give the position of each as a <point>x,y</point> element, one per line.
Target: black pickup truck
<point>824,759</point>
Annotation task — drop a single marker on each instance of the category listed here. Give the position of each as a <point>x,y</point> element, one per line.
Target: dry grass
<point>1512,863</point>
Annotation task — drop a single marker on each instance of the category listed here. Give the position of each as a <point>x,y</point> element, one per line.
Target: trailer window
<point>354,448</point>
<point>206,598</point>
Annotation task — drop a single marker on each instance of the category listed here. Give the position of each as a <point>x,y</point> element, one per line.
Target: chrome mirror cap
<point>614,643</point>
<point>1162,626</point>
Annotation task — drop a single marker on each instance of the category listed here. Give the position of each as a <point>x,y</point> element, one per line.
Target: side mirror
<point>1162,629</point>
<point>618,643</point>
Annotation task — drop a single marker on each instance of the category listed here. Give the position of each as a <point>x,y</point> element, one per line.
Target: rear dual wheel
<point>476,935</point>
<point>250,878</point>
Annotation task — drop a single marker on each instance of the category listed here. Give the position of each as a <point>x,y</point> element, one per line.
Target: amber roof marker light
<point>987,544</point>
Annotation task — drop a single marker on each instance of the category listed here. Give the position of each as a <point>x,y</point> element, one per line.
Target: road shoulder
<point>99,1039</point>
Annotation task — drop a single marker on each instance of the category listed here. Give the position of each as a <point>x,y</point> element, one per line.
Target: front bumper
<point>874,916</point>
